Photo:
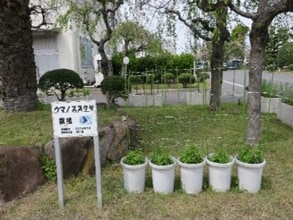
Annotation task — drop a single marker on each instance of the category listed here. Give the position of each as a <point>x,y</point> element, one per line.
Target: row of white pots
<point>191,176</point>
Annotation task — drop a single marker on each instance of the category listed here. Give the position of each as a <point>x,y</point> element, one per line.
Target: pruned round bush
<point>150,78</point>
<point>203,76</point>
<point>185,79</point>
<point>133,79</point>
<point>290,67</point>
<point>168,78</point>
<point>115,87</point>
<point>60,79</point>
<point>271,67</point>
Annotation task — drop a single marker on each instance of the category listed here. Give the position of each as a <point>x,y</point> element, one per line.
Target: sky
<point>183,39</point>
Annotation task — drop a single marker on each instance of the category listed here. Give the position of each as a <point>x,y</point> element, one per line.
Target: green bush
<point>269,89</point>
<point>135,80</point>
<point>59,79</point>
<point>290,67</point>
<point>168,78</point>
<point>162,61</point>
<point>285,91</point>
<point>203,76</point>
<point>271,67</point>
<point>48,166</point>
<point>115,87</point>
<point>285,54</point>
<point>185,79</point>
<point>150,78</point>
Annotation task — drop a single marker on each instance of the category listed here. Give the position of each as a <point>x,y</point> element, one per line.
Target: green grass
<point>172,127</point>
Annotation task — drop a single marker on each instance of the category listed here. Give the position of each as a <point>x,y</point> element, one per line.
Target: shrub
<point>168,78</point>
<point>185,79</point>
<point>135,80</point>
<point>285,90</point>
<point>202,76</point>
<point>48,166</point>
<point>115,87</point>
<point>150,78</point>
<point>290,67</point>
<point>271,67</point>
<point>269,89</point>
<point>59,79</point>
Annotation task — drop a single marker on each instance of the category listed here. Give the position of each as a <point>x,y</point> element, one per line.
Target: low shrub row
<point>280,89</point>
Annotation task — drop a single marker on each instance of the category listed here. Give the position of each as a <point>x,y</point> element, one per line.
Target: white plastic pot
<point>220,175</point>
<point>249,175</point>
<point>163,177</point>
<point>191,176</point>
<point>134,176</point>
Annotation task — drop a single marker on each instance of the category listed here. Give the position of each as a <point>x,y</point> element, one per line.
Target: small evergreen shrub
<point>150,78</point>
<point>271,67</point>
<point>285,90</point>
<point>269,89</point>
<point>115,87</point>
<point>135,80</point>
<point>203,76</point>
<point>168,78</point>
<point>290,67</point>
<point>185,79</point>
<point>60,79</point>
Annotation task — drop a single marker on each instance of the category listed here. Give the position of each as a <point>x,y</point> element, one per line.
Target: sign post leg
<point>98,171</point>
<point>58,157</point>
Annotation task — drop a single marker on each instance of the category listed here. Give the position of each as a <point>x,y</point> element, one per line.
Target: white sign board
<point>73,119</point>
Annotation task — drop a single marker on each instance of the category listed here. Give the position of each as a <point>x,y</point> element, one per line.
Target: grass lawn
<point>172,127</point>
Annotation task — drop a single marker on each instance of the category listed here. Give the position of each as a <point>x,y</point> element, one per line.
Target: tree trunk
<point>104,61</point>
<point>217,73</point>
<point>219,37</point>
<point>17,64</point>
<point>258,39</point>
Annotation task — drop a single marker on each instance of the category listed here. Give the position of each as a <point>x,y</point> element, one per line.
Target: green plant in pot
<point>134,158</point>
<point>191,165</point>
<point>220,169</point>
<point>161,157</point>
<point>134,167</point>
<point>250,154</point>
<point>191,155</point>
<point>163,171</point>
<point>250,163</point>
<point>220,156</point>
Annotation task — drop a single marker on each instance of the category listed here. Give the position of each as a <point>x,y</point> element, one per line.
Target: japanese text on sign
<point>74,118</point>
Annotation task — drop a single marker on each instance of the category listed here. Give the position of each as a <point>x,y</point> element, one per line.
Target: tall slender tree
<point>97,19</point>
<point>262,17</point>
<point>206,20</point>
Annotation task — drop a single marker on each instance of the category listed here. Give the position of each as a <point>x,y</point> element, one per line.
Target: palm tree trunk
<point>17,64</point>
